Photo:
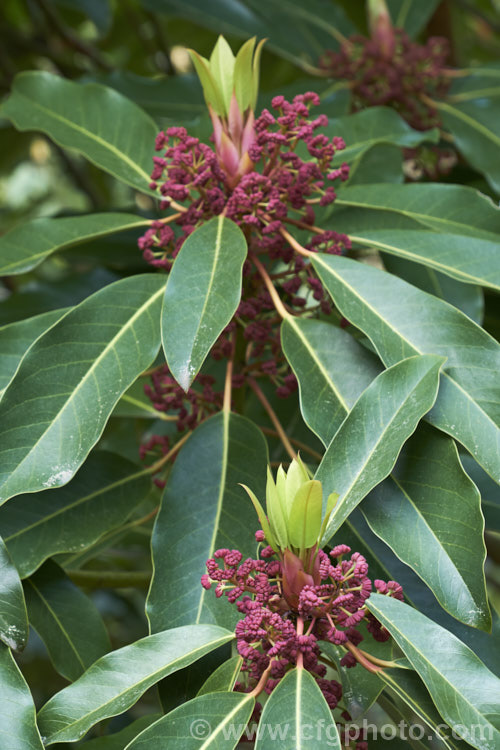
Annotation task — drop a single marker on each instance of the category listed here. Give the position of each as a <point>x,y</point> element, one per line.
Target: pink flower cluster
<point>274,595</point>
<point>404,79</point>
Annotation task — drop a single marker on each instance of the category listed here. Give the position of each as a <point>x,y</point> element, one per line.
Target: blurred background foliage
<point>138,47</point>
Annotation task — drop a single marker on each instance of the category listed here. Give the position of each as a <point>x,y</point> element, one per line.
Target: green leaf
<point>211,90</point>
<point>297,712</point>
<point>490,499</point>
<point>401,320</point>
<point>464,690</point>
<point>203,507</point>
<point>100,498</point>
<point>244,88</point>
<point>277,511</point>
<point>224,677</point>
<point>98,122</point>
<point>332,370</point>
<point>474,127</point>
<point>13,617</point>
<point>119,740</point>
<point>452,209</point>
<point>66,620</point>
<point>466,297</point>
<point>367,444</point>
<point>264,523</point>
<point>304,521</point>
<point>369,127</point>
<point>72,378</point>
<point>28,244</point>
<point>197,307</point>
<point>429,493</point>
<point>411,15</point>
<point>16,339</point>
<point>208,722</point>
<point>116,681</point>
<point>222,68</point>
<point>17,710</point>
<point>473,261</point>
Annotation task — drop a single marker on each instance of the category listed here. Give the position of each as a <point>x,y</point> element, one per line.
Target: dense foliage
<point>249,405</point>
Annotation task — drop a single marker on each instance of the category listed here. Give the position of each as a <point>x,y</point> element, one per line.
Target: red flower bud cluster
<point>404,80</point>
<point>274,595</point>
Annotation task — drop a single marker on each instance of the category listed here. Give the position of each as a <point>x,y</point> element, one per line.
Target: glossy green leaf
<point>66,620</point>
<point>452,209</point>
<point>72,378</point>
<point>277,511</point>
<point>297,715</point>
<point>224,677</point>
<point>367,444</point>
<point>474,126</point>
<point>28,244</point>
<point>100,497</point>
<point>17,710</point>
<point>401,320</point>
<point>208,722</point>
<point>13,617</point>
<point>98,122</point>
<point>222,67</point>
<point>304,521</point>
<point>490,497</point>
<point>411,15</point>
<point>429,493</point>
<point>363,130</point>
<point>116,681</point>
<point>473,261</point>
<point>204,508</point>
<point>118,740</point>
<point>464,690</point>
<point>332,370</point>
<point>198,306</point>
<point>466,297</point>
<point>16,339</point>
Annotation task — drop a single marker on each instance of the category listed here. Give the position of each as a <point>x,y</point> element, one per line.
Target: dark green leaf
<point>100,497</point>
<point>117,680</point>
<point>198,306</point>
<point>332,370</point>
<point>429,493</point>
<point>119,740</point>
<point>17,711</point>
<point>464,690</point>
<point>13,617</point>
<point>66,620</point>
<point>208,722</point>
<point>16,339</point>
<point>28,244</point>
<point>203,509</point>
<point>72,377</point>
<point>401,320</point>
<point>297,715</point>
<point>367,444</point>
<point>411,15</point>
<point>104,126</point>
<point>224,677</point>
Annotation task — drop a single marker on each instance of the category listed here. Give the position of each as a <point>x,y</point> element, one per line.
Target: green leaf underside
<point>367,444</point>
<point>429,493</point>
<point>453,209</point>
<point>116,681</point>
<point>332,370</point>
<point>16,339</point>
<point>72,377</point>
<point>363,130</point>
<point>66,620</point>
<point>204,509</point>
<point>473,261</point>
<point>401,320</point>
<point>464,690</point>
<point>98,122</point>
<point>297,715</point>
<point>198,306</point>
<point>17,710</point>
<point>213,721</point>
<point>13,617</point>
<point>28,244</point>
<point>100,497</point>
